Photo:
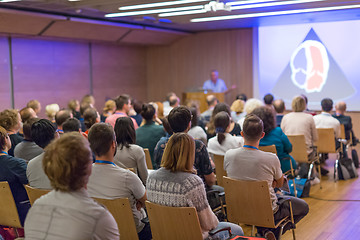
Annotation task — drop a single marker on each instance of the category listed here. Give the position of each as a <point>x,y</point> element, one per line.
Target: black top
<point>15,140</point>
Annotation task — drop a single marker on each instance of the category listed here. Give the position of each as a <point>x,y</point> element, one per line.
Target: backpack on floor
<point>346,169</point>
<point>355,158</point>
<point>302,187</point>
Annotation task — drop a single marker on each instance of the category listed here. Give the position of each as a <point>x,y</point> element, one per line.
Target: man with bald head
<point>340,108</point>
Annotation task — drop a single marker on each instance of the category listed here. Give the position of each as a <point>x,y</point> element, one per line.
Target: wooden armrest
<point>217,230</point>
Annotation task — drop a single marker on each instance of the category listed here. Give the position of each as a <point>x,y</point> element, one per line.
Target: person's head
<point>237,106</point>
<point>251,104</point>
<point>298,104</point>
<point>123,103</point>
<point>148,112</point>
<point>221,122</point>
<point>220,107</point>
<point>102,139</point>
<point>268,99</point>
<point>169,95</point>
<point>51,110</point>
<point>10,120</point>
<point>174,101</point>
<point>110,106</point>
<point>91,116</point>
<point>214,75</point>
<point>211,100</point>
<point>279,105</point>
<point>26,113</point>
<point>27,128</point>
<point>242,96</point>
<point>340,107</point>
<point>89,99</point>
<point>253,128</point>
<point>43,132</point>
<point>71,125</point>
<point>326,104</point>
<point>67,162</point>
<point>61,116</point>
<point>267,116</point>
<point>125,132</point>
<point>5,142</point>
<point>166,125</point>
<point>179,119</point>
<point>138,106</point>
<point>194,119</point>
<point>74,105</point>
<point>179,153</point>
<point>34,104</point>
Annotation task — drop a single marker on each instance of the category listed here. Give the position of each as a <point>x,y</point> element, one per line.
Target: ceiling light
<point>144,12</point>
<point>171,14</point>
<point>277,13</point>
<point>248,2</point>
<point>5,1</point>
<point>160,4</point>
<point>271,4</point>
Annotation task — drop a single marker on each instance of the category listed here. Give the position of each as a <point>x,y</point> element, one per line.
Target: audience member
<point>51,110</point>
<point>108,110</point>
<point>42,132</point>
<point>340,108</point>
<point>71,125</point>
<point>149,134</point>
<point>74,107</point>
<point>174,101</point>
<point>274,135</point>
<point>137,106</point>
<point>212,102</point>
<point>128,154</point>
<point>91,116</point>
<point>215,83</point>
<point>279,107</point>
<point>123,105</point>
<point>10,120</point>
<point>307,109</point>
<point>60,117</point>
<point>177,185</point>
<point>35,105</point>
<point>83,107</point>
<point>237,110</point>
<point>235,128</point>
<point>67,212</point>
<point>167,127</point>
<point>268,100</point>
<point>166,104</point>
<point>250,164</point>
<point>88,99</point>
<point>196,131</point>
<point>300,123</point>
<point>13,170</point>
<point>28,149</point>
<point>241,96</point>
<point>249,106</point>
<point>26,113</point>
<point>110,181</point>
<point>223,141</point>
<point>156,119</point>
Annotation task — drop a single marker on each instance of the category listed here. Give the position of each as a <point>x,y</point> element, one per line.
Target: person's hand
<point>233,86</point>
<point>139,205</point>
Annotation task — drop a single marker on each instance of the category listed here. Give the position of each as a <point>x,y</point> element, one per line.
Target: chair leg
<point>293,174</point>
<point>310,170</point>
<point>319,170</point>
<point>335,169</point>
<point>293,231</point>
<point>253,230</point>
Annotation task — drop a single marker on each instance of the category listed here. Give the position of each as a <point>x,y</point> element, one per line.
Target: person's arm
<point>158,152</point>
<point>140,203</point>
<point>285,141</point>
<point>18,167</point>
<point>314,134</point>
<point>106,227</point>
<point>137,189</point>
<point>210,179</point>
<point>278,183</point>
<point>203,163</point>
<point>141,166</point>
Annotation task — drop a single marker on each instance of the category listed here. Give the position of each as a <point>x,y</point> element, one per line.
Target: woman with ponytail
<point>223,140</point>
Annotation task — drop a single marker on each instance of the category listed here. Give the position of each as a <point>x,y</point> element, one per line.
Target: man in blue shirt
<point>215,84</point>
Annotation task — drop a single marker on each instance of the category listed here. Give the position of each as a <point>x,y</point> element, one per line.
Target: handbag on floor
<point>355,158</point>
<point>346,169</point>
<point>302,187</point>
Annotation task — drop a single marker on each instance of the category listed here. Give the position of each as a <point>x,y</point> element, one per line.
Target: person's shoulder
<point>36,159</point>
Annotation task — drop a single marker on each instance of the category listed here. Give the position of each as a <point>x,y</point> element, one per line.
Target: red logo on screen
<point>310,66</point>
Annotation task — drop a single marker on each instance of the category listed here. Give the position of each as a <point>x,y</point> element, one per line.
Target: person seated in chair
<point>340,109</point>
<point>250,164</point>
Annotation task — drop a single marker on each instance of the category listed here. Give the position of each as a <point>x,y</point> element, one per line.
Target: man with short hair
<point>268,100</point>
<point>42,132</point>
<point>71,125</point>
<point>279,107</point>
<point>250,164</point>
<point>211,101</point>
<point>215,84</point>
<point>340,109</point>
<point>180,121</point>
<point>325,120</point>
<point>34,104</point>
<point>28,149</point>
<point>110,181</point>
<point>60,117</point>
<point>123,105</point>
<point>26,113</point>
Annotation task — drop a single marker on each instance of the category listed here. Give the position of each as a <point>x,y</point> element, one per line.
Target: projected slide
<point>319,60</point>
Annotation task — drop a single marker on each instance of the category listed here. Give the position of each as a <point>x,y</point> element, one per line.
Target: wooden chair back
<point>9,215</point>
<point>342,131</point>
<point>299,151</point>
<point>270,148</point>
<point>176,223</point>
<point>34,193</point>
<point>219,167</point>
<point>148,159</point>
<point>122,213</point>
<point>249,202</point>
<point>326,141</point>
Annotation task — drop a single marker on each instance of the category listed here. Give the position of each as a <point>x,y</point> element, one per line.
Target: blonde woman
<point>51,111</point>
<point>108,110</point>
<point>10,119</point>
<point>176,184</point>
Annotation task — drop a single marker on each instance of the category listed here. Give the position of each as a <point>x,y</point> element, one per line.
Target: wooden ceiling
<point>85,19</point>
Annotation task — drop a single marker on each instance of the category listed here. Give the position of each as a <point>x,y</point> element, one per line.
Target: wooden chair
<point>219,167</point>
<point>269,148</point>
<point>9,215</point>
<point>148,159</point>
<point>249,202</point>
<point>34,193</point>
<point>121,210</point>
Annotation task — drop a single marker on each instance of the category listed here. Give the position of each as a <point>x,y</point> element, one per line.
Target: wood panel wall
<point>187,63</point>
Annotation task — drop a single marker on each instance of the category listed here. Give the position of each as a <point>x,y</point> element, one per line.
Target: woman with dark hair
<point>128,154</point>
<point>235,129</point>
<point>275,136</point>
<point>223,141</point>
<point>196,131</point>
<point>91,116</point>
<point>150,133</point>
<point>136,113</point>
